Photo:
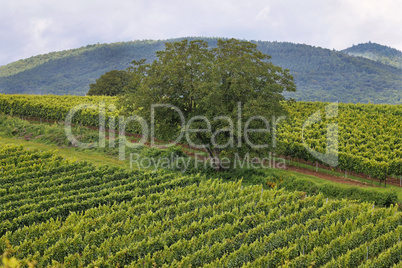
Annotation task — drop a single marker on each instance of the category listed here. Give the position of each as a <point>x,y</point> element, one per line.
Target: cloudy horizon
<point>34,27</point>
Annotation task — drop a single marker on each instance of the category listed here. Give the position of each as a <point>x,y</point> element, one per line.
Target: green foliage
<point>111,83</point>
<point>210,83</point>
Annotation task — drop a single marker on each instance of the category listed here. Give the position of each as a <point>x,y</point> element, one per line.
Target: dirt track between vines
<point>329,177</point>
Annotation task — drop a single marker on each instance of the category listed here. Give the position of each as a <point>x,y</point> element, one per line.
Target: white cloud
<point>30,27</point>
<point>263,14</point>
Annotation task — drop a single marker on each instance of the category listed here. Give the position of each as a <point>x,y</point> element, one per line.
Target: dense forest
<point>320,74</point>
<point>71,73</point>
<point>376,52</point>
<point>327,75</point>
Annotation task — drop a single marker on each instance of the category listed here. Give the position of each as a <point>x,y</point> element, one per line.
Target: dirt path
<point>329,177</point>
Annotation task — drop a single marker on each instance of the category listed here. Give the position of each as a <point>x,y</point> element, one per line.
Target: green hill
<point>320,74</point>
<point>327,75</point>
<point>32,62</point>
<point>71,72</point>
<point>376,52</point>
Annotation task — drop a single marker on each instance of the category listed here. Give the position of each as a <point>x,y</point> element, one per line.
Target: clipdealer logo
<point>330,157</point>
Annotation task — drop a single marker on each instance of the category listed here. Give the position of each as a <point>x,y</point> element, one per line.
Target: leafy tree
<point>217,91</point>
<point>111,83</point>
<point>136,73</point>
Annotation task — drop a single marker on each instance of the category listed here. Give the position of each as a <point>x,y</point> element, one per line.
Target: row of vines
<point>368,137</point>
<point>56,211</point>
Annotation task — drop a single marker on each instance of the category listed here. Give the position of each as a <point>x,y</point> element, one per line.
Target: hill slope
<point>320,74</point>
<point>327,75</point>
<point>71,74</point>
<point>376,52</point>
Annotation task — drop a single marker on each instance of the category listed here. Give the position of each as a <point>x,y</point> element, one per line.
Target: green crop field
<point>60,212</point>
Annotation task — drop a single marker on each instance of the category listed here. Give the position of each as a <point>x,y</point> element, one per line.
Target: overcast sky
<point>32,27</point>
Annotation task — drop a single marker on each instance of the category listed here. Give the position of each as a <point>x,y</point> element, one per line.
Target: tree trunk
<point>215,156</point>
<point>209,152</point>
<point>220,168</point>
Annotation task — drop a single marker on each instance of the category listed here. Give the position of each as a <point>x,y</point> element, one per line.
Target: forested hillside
<point>376,52</point>
<point>72,73</point>
<point>320,74</point>
<point>325,75</point>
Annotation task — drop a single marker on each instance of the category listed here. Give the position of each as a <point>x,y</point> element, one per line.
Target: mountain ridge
<point>320,74</point>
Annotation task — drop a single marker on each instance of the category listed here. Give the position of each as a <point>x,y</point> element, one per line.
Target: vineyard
<point>370,140</point>
<point>62,212</point>
<point>55,108</point>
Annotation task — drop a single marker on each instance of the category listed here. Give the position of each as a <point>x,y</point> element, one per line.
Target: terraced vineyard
<point>55,211</point>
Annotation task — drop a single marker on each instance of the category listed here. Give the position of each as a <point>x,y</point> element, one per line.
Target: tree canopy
<point>218,92</point>
<point>111,83</point>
